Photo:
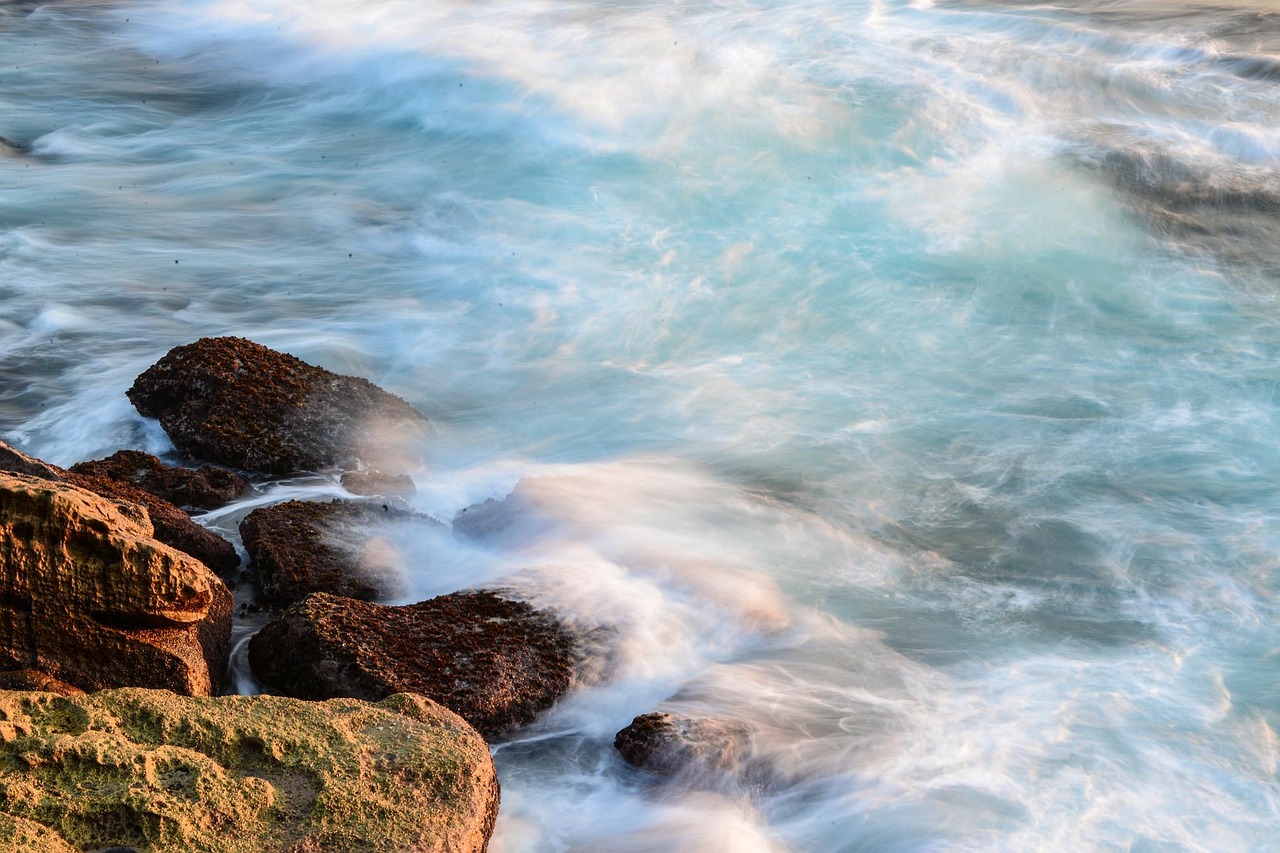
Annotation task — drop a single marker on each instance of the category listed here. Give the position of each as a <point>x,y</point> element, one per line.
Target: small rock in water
<point>670,745</point>
<point>241,404</point>
<point>498,663</point>
<point>377,483</point>
<point>300,547</point>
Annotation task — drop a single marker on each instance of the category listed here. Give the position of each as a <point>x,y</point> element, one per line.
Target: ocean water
<point>895,380</point>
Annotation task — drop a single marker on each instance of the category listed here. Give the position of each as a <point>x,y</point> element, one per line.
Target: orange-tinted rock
<point>30,679</point>
<point>206,487</point>
<point>300,547</point>
<point>495,662</point>
<point>90,597</point>
<point>171,525</point>
<point>241,404</point>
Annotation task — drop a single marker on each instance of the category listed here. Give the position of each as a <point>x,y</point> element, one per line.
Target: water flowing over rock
<point>301,547</point>
<point>92,598</point>
<point>206,487</point>
<point>671,745</point>
<point>171,525</point>
<point>496,662</point>
<point>240,774</point>
<point>239,403</point>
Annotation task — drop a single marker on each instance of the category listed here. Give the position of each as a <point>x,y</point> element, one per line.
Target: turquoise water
<point>897,379</point>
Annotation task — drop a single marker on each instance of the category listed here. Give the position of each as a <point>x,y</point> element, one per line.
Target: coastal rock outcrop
<point>300,547</point>
<point>496,662</point>
<point>171,525</point>
<point>90,597</point>
<point>242,404</point>
<point>206,487</point>
<point>150,770</point>
<point>670,745</point>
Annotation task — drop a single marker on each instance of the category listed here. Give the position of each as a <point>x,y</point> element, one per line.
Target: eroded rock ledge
<point>240,774</point>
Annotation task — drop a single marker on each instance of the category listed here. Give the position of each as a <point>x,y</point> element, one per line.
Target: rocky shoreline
<point>116,618</point>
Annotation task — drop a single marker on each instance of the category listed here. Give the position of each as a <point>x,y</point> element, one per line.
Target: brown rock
<point>377,483</point>
<point>206,487</point>
<point>241,404</point>
<point>301,547</point>
<point>147,770</point>
<point>496,662</point>
<point>30,679</point>
<point>92,598</point>
<point>171,525</point>
<point>670,745</point>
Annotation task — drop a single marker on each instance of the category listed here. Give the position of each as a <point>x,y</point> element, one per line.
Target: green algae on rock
<point>240,774</point>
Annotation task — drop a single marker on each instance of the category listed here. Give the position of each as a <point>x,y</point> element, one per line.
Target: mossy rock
<point>234,774</point>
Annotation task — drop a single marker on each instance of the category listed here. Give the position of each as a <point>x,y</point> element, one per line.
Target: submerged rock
<point>378,483</point>
<point>242,404</point>
<point>171,525</point>
<point>240,774</point>
<point>301,547</point>
<point>671,745</point>
<point>496,662</point>
<point>206,487</point>
<point>90,597</point>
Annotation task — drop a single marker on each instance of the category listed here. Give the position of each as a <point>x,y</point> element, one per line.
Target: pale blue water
<point>900,379</point>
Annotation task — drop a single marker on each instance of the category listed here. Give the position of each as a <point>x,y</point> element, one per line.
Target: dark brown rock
<point>90,597</point>
<point>669,745</point>
<point>30,679</point>
<point>300,547</point>
<point>170,525</point>
<point>379,484</point>
<point>497,663</point>
<point>241,404</point>
<point>206,487</point>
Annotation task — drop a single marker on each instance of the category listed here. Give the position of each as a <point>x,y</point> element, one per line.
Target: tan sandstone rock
<point>240,774</point>
<point>88,596</point>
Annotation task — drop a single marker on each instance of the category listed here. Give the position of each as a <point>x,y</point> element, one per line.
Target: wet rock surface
<point>378,483</point>
<point>300,547</point>
<point>496,662</point>
<point>671,745</point>
<point>90,597</point>
<point>171,525</point>
<point>240,774</point>
<point>241,404</point>
<point>206,487</point>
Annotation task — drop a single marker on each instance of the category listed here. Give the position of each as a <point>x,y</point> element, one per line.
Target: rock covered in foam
<point>240,774</point>
<point>301,547</point>
<point>496,662</point>
<point>242,404</point>
<point>92,598</point>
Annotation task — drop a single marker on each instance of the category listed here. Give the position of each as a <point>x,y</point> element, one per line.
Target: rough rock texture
<point>30,679</point>
<point>206,487</point>
<point>669,745</point>
<point>496,662</point>
<point>172,526</point>
<point>88,596</point>
<point>378,483</point>
<point>241,404</point>
<point>240,774</point>
<point>301,547</point>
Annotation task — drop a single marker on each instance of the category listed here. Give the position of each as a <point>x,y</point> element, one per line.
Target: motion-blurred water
<point>896,379</point>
